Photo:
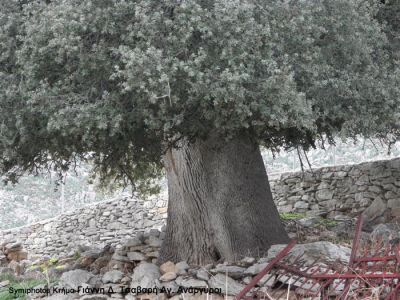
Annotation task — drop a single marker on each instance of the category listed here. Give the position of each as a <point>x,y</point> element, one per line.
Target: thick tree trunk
<point>220,203</point>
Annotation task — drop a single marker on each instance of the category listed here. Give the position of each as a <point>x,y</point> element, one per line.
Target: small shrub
<point>17,284</point>
<point>291,216</point>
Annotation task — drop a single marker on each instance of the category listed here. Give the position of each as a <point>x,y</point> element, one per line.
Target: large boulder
<point>325,252</point>
<point>375,213</point>
<point>75,278</point>
<point>385,232</point>
<point>113,276</point>
<point>227,285</point>
<point>145,275</point>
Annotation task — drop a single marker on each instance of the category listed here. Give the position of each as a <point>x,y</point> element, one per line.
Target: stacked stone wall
<point>98,224</point>
<point>346,190</point>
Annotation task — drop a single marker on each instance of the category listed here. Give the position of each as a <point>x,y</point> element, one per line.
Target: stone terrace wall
<point>346,189</point>
<point>338,190</point>
<point>97,224</point>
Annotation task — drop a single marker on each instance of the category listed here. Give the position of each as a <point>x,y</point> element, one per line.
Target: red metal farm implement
<point>372,273</point>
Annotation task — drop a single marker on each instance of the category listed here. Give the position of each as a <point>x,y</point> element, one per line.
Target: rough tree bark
<point>220,202</point>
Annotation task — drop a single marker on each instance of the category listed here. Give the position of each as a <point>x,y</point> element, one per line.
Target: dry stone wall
<point>348,189</point>
<point>372,186</point>
<point>102,223</point>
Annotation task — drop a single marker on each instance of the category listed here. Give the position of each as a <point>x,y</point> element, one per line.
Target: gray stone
<point>119,257</point>
<point>92,223</point>
<point>391,195</point>
<point>374,189</point>
<point>136,256</point>
<point>362,180</point>
<point>394,164</point>
<point>324,185</point>
<point>168,276</point>
<point>247,260</point>
<point>301,204</point>
<point>154,241</point>
<point>75,278</point>
<point>385,232</point>
<point>310,221</point>
<point>132,242</point>
<point>227,285</point>
<point>145,275</point>
<point>325,251</point>
<point>181,267</point>
<point>202,274</point>
<point>232,271</point>
<point>376,209</point>
<point>255,269</point>
<point>114,276</point>
<point>190,282</point>
<point>324,194</point>
<point>393,203</point>
<point>154,232</point>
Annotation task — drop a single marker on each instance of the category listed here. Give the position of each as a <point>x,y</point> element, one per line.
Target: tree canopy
<point>122,80</point>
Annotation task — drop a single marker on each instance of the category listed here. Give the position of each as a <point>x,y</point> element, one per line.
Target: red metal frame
<point>373,268</point>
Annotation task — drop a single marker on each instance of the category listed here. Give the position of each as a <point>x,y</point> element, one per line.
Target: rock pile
<point>129,270</point>
<point>171,280</point>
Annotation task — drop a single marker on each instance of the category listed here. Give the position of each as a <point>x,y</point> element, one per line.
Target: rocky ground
<point>119,272</point>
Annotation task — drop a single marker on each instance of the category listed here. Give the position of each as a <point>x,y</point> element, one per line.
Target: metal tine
<point>344,292</point>
<point>296,259</point>
<point>271,276</point>
<point>273,272</point>
<point>282,282</point>
<point>298,276</point>
<point>389,285</point>
<point>329,282</point>
<point>367,252</point>
<point>397,254</point>
<point>285,291</point>
<point>327,296</point>
<point>281,294</point>
<point>375,266</point>
<point>342,280</point>
<point>326,284</point>
<point>394,293</point>
<point>378,246</point>
<point>390,264</point>
<point>314,282</point>
<point>296,268</point>
<point>388,252</point>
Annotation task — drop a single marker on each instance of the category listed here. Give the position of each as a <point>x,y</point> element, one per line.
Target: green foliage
<point>327,222</point>
<point>53,260</point>
<point>291,216</point>
<point>17,284</point>
<point>118,82</point>
<point>77,255</point>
